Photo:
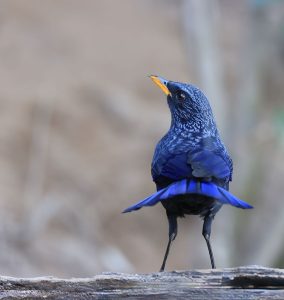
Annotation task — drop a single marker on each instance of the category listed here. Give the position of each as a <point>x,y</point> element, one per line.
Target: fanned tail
<point>187,186</point>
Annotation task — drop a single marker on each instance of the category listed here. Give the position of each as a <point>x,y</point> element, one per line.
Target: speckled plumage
<point>192,129</point>
<point>191,166</point>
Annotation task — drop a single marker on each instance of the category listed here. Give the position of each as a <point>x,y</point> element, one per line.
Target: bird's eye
<point>181,95</point>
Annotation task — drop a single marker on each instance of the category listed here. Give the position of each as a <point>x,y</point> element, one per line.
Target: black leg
<point>206,233</point>
<point>172,235</point>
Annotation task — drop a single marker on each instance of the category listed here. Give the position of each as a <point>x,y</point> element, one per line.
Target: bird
<point>191,166</point>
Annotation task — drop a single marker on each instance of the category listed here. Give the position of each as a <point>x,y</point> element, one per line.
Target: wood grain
<point>251,282</point>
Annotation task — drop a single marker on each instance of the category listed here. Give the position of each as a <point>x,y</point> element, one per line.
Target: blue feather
<point>149,201</point>
<point>187,186</point>
<point>233,200</point>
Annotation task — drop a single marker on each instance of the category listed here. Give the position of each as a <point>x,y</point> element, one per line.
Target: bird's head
<point>187,103</point>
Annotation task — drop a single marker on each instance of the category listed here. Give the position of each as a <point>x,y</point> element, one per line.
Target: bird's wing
<point>172,166</point>
<point>208,158</point>
<point>210,163</point>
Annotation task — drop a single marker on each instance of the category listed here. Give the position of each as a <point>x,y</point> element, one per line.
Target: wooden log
<point>252,282</point>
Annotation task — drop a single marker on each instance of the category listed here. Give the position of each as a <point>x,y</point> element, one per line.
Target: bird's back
<point>174,156</point>
<point>171,163</point>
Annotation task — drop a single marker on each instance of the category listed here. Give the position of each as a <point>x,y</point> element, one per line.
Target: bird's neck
<point>193,128</point>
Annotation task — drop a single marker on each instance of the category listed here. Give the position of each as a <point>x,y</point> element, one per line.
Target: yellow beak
<point>161,83</point>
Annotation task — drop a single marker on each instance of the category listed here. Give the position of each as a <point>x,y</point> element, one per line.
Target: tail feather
<point>192,186</point>
<point>149,201</point>
<point>179,188</point>
<point>233,200</point>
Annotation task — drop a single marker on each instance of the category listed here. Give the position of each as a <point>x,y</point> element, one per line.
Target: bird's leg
<point>206,233</point>
<point>172,235</point>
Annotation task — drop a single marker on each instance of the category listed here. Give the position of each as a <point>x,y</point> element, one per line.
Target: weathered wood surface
<point>247,283</point>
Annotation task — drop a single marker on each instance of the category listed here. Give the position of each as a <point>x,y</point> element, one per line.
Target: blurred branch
<point>37,160</point>
<point>265,244</point>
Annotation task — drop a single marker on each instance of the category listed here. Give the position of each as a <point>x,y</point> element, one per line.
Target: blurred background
<point>80,120</point>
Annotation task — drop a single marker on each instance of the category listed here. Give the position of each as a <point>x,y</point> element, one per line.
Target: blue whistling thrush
<point>191,166</point>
